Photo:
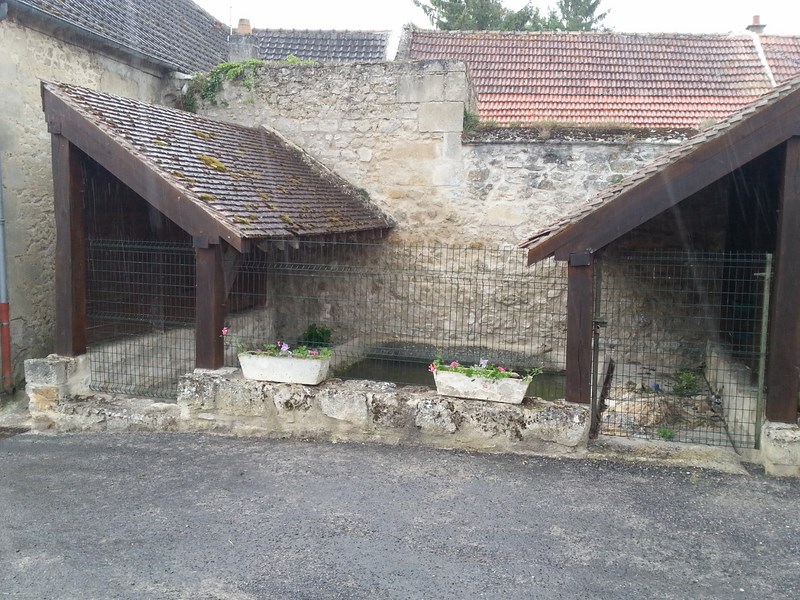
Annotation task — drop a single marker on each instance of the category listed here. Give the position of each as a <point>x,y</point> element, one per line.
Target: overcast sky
<point>684,16</point>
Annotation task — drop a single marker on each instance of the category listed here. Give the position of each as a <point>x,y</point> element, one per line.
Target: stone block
<point>421,88</point>
<point>437,415</point>
<point>53,370</point>
<point>42,398</point>
<point>780,449</point>
<point>344,405</point>
<point>441,116</point>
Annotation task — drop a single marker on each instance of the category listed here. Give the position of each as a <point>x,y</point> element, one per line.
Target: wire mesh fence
<point>140,314</point>
<point>684,346</point>
<point>392,308</point>
<point>683,341</point>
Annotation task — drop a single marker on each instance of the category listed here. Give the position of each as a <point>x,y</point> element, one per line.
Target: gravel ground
<point>161,515</point>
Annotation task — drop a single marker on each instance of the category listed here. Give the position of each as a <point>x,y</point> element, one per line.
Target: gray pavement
<point>166,515</point>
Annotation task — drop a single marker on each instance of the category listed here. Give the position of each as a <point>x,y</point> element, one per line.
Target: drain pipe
<point>5,321</point>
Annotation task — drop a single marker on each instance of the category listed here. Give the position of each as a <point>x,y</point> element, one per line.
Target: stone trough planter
<point>457,385</point>
<point>284,369</point>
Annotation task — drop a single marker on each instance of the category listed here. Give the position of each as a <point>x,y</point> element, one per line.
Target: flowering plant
<point>279,348</point>
<point>482,369</point>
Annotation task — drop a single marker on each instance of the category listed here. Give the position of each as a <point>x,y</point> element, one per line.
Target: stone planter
<point>508,390</point>
<point>284,369</point>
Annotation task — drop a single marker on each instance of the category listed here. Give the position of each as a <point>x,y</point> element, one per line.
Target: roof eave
<point>52,20</point>
<point>125,163</point>
<point>708,162</point>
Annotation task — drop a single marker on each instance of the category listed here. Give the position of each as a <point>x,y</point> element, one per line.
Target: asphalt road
<point>203,517</point>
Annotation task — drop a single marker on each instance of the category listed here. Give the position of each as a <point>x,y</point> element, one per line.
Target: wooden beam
<point>580,304</point>
<point>210,307</point>
<point>783,368</point>
<point>71,262</point>
<point>701,166</point>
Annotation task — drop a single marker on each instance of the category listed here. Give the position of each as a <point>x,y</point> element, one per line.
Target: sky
<point>628,16</point>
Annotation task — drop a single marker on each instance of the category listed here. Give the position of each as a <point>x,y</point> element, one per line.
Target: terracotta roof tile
<point>648,80</point>
<point>322,45</point>
<point>783,55</point>
<point>176,33</point>
<point>658,165</point>
<point>247,177</point>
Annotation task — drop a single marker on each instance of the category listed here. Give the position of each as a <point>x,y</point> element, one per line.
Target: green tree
<point>576,15</point>
<point>480,15</point>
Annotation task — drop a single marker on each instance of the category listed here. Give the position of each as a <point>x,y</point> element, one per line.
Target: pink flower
<point>313,352</point>
<point>501,369</point>
<point>454,364</point>
<point>225,331</point>
<point>432,368</point>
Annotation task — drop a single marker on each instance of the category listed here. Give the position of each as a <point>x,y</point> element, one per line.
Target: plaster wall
<point>27,57</point>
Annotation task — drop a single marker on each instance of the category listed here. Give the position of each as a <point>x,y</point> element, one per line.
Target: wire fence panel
<point>686,333</point>
<point>392,308</point>
<point>141,302</point>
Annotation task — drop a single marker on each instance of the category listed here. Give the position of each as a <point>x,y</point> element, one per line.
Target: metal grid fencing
<point>683,348</point>
<point>141,301</point>
<point>392,308</point>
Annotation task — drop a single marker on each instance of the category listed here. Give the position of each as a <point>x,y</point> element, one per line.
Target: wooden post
<point>783,368</point>
<point>71,261</point>
<point>580,292</point>
<point>210,309</point>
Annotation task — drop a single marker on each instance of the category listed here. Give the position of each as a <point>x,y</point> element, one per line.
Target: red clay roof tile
<point>647,80</point>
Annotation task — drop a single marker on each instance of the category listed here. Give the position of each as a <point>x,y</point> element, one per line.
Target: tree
<point>478,15</point>
<point>576,15</point>
<point>569,15</point>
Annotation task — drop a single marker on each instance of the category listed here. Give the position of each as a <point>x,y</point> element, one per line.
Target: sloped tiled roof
<point>322,45</point>
<point>783,55</point>
<point>642,80</point>
<point>176,33</point>
<point>255,182</point>
<point>658,166</point>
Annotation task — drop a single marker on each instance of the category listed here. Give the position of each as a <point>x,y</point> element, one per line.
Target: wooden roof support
<point>71,252</point>
<point>580,306</point>
<point>783,374</point>
<point>211,307</point>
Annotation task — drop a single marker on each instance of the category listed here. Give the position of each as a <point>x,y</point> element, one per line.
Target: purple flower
<point>484,363</point>
<point>284,347</point>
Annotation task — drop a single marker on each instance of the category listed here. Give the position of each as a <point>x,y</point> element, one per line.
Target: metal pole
<point>5,321</point>
<point>762,350</point>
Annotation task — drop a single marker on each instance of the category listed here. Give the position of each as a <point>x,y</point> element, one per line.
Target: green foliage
<point>206,86</point>
<point>483,369</point>
<point>279,348</point>
<point>316,336</point>
<point>575,15</point>
<point>687,382</point>
<point>293,60</point>
<point>471,121</point>
<point>665,433</point>
<point>482,15</point>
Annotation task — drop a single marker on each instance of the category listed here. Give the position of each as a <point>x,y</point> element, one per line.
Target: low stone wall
<point>223,401</point>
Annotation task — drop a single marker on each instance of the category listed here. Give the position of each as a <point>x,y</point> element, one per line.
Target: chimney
<point>756,27</point>
<point>244,27</point>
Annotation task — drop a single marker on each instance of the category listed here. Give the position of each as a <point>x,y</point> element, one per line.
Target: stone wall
<point>395,130</point>
<point>27,57</point>
<point>224,402</point>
